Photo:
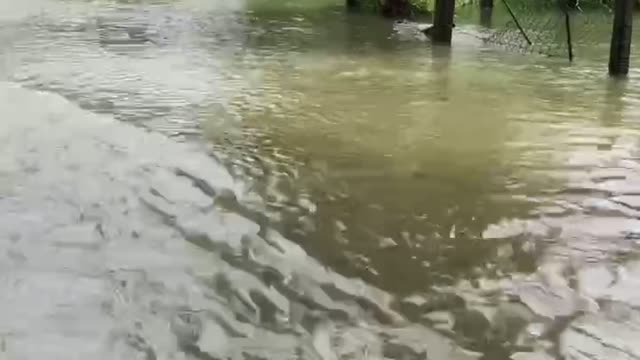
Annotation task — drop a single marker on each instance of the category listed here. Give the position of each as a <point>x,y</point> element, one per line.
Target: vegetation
<point>424,6</point>
<point>402,8</point>
<point>389,8</point>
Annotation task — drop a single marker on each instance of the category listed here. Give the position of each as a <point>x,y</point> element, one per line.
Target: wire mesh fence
<point>552,27</point>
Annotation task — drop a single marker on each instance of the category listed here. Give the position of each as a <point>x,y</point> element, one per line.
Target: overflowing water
<point>199,179</point>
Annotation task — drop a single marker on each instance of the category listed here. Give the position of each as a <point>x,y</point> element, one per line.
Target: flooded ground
<point>262,180</point>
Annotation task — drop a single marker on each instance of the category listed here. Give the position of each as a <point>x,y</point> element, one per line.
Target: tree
<point>396,8</point>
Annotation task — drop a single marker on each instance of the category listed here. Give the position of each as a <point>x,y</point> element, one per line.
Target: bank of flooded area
<point>262,180</point>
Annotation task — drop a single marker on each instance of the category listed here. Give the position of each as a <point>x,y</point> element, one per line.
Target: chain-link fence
<point>552,27</point>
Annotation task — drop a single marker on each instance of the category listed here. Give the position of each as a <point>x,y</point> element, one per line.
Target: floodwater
<point>208,179</point>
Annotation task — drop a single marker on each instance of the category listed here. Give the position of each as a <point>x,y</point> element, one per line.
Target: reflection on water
<point>484,197</point>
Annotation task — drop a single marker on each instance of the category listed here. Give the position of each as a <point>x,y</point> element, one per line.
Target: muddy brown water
<point>259,180</point>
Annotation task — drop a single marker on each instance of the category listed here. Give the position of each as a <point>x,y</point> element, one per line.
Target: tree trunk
<point>353,4</point>
<point>396,8</point>
<point>443,21</point>
<point>621,38</point>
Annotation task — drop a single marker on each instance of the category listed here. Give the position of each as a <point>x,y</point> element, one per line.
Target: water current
<point>208,179</point>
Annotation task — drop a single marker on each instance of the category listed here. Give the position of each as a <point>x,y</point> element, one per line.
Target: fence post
<point>443,21</point>
<point>621,38</point>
